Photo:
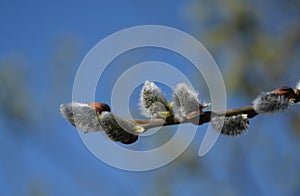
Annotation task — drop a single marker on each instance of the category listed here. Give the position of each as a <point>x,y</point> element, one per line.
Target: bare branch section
<point>195,117</point>
<point>184,108</point>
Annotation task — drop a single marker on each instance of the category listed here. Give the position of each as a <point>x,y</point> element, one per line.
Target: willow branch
<point>201,117</point>
<point>196,117</point>
<point>97,116</point>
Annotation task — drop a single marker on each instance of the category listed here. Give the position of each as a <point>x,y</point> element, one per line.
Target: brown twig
<point>199,117</point>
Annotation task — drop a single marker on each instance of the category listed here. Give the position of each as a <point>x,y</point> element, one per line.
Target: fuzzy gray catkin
<point>81,116</point>
<point>119,129</point>
<point>153,101</point>
<point>185,100</point>
<point>298,85</point>
<point>233,125</point>
<point>268,102</point>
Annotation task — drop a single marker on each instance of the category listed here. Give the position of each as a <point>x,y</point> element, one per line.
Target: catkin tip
<point>81,116</point>
<point>298,85</point>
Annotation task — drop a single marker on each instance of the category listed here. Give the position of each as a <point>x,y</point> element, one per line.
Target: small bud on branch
<point>118,129</point>
<point>186,101</point>
<point>153,103</point>
<point>275,101</point>
<point>84,116</point>
<point>233,125</point>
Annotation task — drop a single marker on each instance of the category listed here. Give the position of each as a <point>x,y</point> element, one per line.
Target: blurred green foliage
<point>259,40</point>
<point>15,93</point>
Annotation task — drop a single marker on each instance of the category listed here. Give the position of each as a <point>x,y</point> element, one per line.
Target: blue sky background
<point>43,44</point>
